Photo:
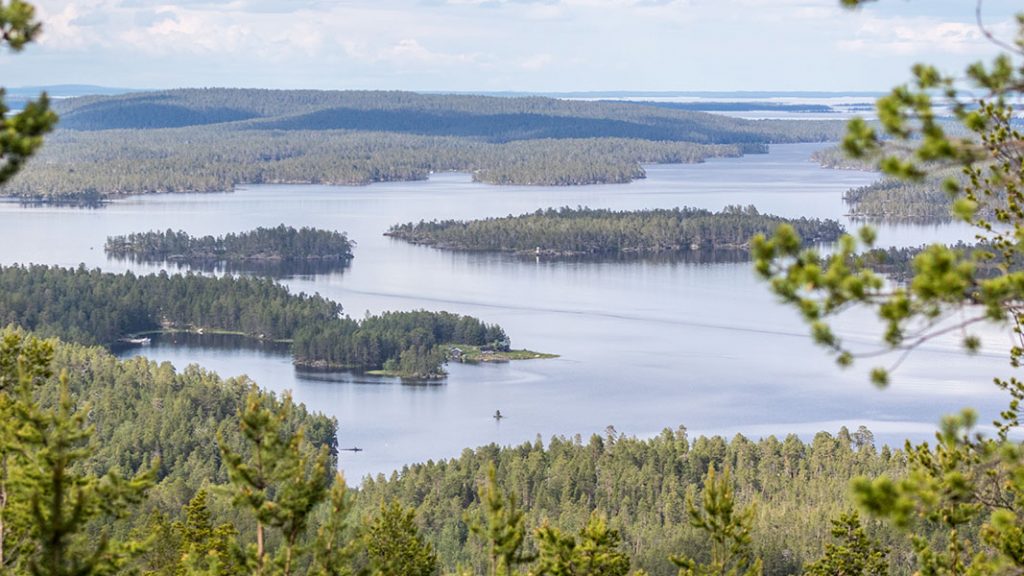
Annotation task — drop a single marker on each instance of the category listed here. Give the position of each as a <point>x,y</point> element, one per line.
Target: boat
<point>137,341</point>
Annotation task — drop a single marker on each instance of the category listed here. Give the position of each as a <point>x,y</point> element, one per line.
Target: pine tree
<point>281,483</point>
<point>63,501</point>
<point>22,133</point>
<point>502,528</point>
<point>24,364</point>
<point>966,479</point>
<point>597,553</point>
<point>334,549</point>
<point>727,527</point>
<point>853,554</point>
<point>395,545</point>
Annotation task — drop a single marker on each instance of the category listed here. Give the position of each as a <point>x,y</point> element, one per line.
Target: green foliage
<point>727,527</point>
<point>960,500</point>
<point>584,231</point>
<point>203,547</point>
<point>502,528</point>
<point>280,244</point>
<point>597,553</point>
<point>280,483</point>
<point>21,134</point>
<point>395,546</point>
<point>410,343</point>
<point>92,307</point>
<point>640,485</point>
<point>48,502</point>
<point>333,547</point>
<point>853,554</point>
<point>214,139</point>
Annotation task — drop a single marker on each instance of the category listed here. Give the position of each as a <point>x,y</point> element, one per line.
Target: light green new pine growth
<point>64,501</point>
<point>24,365</point>
<point>596,553</point>
<point>334,547</point>
<point>853,553</point>
<point>281,483</point>
<point>204,548</point>
<point>727,528</point>
<point>162,556</point>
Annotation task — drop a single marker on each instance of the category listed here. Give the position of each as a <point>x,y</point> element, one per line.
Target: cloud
<point>495,44</point>
<point>409,51</point>
<point>903,36</point>
<point>536,62</point>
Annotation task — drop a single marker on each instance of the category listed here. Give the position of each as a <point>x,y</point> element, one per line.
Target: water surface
<point>643,345</point>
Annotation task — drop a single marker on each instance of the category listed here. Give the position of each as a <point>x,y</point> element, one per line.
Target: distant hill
<point>487,118</point>
<point>213,139</point>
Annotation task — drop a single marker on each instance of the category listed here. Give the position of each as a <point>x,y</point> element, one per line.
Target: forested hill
<point>211,140</point>
<point>487,118</point>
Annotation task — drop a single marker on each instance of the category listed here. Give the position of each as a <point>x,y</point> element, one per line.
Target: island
<point>571,232</point>
<point>262,245</point>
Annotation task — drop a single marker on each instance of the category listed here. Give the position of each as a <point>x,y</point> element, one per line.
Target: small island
<point>262,245</point>
<point>572,232</point>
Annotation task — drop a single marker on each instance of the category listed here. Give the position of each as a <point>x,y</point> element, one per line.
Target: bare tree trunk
<point>3,507</point>
<point>259,545</point>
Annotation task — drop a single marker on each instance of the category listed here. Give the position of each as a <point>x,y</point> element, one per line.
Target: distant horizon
<point>504,46</point>
<point>95,89</point>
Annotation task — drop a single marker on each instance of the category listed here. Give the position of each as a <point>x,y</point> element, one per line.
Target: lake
<point>644,345</point>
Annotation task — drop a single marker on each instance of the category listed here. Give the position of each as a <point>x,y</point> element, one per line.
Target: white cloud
<point>410,51</point>
<point>536,62</point>
<point>497,44</point>
<point>903,36</point>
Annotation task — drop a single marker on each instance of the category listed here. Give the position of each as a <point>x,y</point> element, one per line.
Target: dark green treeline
<point>93,307</point>
<point>282,243</point>
<point>586,231</point>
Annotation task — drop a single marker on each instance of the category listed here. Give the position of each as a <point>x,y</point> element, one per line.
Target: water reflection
<point>270,268</point>
<point>644,344</point>
<point>218,342</point>
<point>700,256</point>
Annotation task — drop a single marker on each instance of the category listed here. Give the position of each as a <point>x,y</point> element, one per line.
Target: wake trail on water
<point>661,320</point>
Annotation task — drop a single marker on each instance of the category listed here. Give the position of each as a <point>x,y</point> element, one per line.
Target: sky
<point>501,45</point>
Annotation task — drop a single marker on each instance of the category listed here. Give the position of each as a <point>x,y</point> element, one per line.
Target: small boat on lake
<point>136,341</point>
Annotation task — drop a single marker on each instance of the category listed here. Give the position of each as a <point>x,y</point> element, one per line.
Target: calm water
<point>643,345</point>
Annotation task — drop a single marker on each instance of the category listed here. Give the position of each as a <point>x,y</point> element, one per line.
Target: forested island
<point>212,140</point>
<point>566,232</point>
<point>888,198</point>
<point>891,199</point>
<point>279,245</point>
<point>93,307</point>
<point>898,263</point>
